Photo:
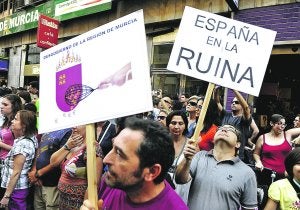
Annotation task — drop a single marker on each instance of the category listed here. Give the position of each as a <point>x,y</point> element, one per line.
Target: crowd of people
<point>149,160</point>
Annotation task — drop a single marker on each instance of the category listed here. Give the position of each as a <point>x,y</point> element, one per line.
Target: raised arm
<point>255,131</point>
<point>58,156</point>
<point>292,133</point>
<point>217,98</point>
<point>182,174</point>
<point>244,104</point>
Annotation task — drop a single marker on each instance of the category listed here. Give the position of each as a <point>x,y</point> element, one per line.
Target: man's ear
<point>238,144</point>
<point>152,172</point>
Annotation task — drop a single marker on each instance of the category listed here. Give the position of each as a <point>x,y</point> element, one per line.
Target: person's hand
<point>259,165</point>
<point>31,176</point>
<point>190,149</point>
<point>296,140</point>
<point>74,141</point>
<point>4,202</point>
<point>250,148</point>
<point>119,78</point>
<point>87,205</point>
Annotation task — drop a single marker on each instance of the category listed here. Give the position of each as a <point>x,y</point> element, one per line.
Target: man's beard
<point>133,187</point>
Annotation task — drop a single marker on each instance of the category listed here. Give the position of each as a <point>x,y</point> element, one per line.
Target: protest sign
<point>222,51</point>
<point>99,75</point>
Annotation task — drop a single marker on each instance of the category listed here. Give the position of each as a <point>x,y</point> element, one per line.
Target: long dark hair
<point>292,159</point>
<point>183,116</point>
<point>16,105</point>
<point>211,116</point>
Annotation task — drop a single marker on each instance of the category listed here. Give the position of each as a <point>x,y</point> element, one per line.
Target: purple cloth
<point>117,199</point>
<point>17,199</point>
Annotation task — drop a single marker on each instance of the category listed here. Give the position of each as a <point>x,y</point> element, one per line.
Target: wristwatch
<point>36,174</point>
<point>66,147</point>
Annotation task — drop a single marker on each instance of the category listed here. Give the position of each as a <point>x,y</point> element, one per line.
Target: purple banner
<point>65,79</point>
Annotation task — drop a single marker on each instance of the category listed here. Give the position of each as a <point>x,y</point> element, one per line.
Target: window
<point>33,55</point>
<point>161,55</point>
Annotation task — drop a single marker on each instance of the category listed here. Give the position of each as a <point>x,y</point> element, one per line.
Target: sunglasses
<point>192,103</point>
<point>168,102</point>
<point>161,117</point>
<point>235,102</point>
<point>228,128</point>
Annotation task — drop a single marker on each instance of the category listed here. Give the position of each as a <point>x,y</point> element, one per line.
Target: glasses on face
<point>168,102</point>
<point>200,106</point>
<point>281,124</point>
<point>192,103</point>
<point>175,122</point>
<point>161,117</point>
<point>235,102</point>
<point>228,128</point>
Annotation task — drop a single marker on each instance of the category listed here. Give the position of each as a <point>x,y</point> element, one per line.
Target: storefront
<point>162,22</point>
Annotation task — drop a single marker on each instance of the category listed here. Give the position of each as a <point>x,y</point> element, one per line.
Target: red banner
<point>47,32</point>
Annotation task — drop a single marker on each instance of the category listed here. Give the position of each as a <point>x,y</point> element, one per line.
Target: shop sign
<point>23,20</point>
<point>32,70</point>
<point>4,65</point>
<point>47,33</point>
<point>222,51</point>
<point>60,9</point>
<point>69,9</point>
<point>233,4</point>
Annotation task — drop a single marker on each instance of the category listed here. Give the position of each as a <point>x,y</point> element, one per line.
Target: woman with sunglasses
<point>272,147</point>
<point>192,109</point>
<point>162,117</point>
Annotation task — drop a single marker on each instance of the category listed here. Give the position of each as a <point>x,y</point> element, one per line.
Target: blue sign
<point>3,65</point>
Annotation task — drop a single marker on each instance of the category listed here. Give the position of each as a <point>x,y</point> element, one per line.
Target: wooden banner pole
<point>91,164</point>
<point>199,125</point>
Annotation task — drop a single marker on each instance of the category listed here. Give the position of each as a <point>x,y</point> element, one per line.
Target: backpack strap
<point>296,188</point>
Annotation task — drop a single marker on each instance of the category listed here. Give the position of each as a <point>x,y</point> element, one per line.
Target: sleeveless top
<point>207,138</point>
<point>7,138</point>
<point>272,156</point>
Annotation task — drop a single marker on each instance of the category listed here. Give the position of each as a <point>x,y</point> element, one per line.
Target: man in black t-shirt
<point>43,175</point>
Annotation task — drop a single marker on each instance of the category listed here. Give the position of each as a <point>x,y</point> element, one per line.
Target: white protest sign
<point>99,75</point>
<point>220,50</point>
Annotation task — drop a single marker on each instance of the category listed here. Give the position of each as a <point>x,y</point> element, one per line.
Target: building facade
<point>19,54</point>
